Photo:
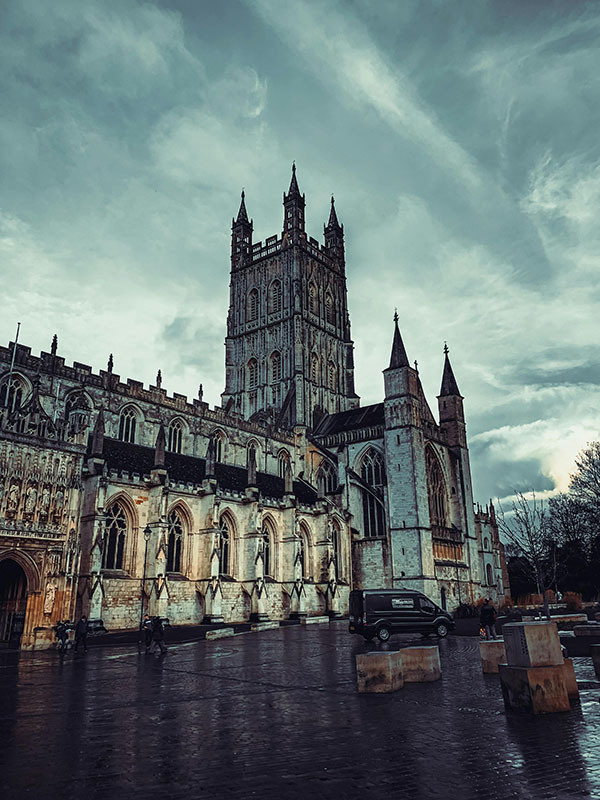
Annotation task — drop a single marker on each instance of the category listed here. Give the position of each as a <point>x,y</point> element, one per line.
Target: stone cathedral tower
<point>289,355</point>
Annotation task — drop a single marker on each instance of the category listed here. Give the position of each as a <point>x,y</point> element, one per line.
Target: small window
<point>275,297</point>
<point>174,542</point>
<point>114,537</point>
<point>312,299</point>
<point>426,605</point>
<point>11,395</point>
<point>252,373</point>
<point>332,376</point>
<point>314,368</point>
<point>275,367</point>
<point>329,308</point>
<point>283,459</point>
<point>225,548</point>
<point>253,305</point>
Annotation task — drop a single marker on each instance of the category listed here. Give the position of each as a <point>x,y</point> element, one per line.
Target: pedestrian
<point>158,636</point>
<point>147,629</point>
<point>62,634</point>
<point>81,632</point>
<point>487,619</point>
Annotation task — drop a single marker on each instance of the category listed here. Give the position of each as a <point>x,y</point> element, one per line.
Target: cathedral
<point>118,499</point>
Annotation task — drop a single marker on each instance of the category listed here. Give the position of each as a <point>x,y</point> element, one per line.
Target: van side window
<point>380,602</point>
<point>426,605</point>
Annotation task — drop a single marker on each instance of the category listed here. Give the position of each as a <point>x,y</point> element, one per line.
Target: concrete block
<point>421,664</point>
<point>595,653</point>
<point>492,653</point>
<point>566,622</point>
<point>536,690</point>
<point>219,633</point>
<point>264,626</point>
<point>313,620</point>
<point>571,680</point>
<point>532,644</point>
<point>379,671</point>
<point>590,629</point>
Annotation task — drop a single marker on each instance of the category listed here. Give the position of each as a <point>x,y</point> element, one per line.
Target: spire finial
<point>416,365</point>
<point>396,316</point>
<point>110,363</point>
<point>54,345</point>
<point>294,167</point>
<point>446,350</point>
<point>399,357</point>
<point>158,379</point>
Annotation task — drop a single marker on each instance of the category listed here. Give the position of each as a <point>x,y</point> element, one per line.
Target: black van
<point>382,612</point>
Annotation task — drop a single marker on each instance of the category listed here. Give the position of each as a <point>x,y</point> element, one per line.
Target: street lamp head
<point>147,532</point>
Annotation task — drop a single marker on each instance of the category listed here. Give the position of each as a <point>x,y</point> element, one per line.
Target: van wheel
<point>383,634</point>
<point>441,630</point>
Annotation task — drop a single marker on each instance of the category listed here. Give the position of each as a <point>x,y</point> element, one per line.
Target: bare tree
<point>585,481</point>
<point>525,528</point>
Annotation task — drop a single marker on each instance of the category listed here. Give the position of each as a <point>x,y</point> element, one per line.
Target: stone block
<point>219,633</point>
<point>264,626</point>
<point>590,629</point>
<point>571,680</point>
<point>379,671</point>
<point>313,620</point>
<point>536,690</point>
<point>532,644</point>
<point>492,653</point>
<point>595,653</point>
<point>421,664</point>
<point>566,622</point>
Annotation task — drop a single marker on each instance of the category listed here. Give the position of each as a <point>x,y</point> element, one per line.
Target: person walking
<point>62,634</point>
<point>487,619</point>
<point>158,636</point>
<point>147,629</point>
<point>81,632</point>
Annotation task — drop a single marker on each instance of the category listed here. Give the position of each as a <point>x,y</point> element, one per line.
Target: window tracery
<point>373,473</point>
<point>275,297</point>
<point>115,537</point>
<point>127,425</point>
<point>12,392</point>
<point>437,489</point>
<point>175,436</point>
<point>253,305</point>
<point>174,541</point>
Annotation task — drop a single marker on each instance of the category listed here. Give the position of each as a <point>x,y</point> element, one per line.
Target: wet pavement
<point>277,714</point>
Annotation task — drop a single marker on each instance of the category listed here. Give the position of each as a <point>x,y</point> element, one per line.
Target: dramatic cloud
<point>460,141</point>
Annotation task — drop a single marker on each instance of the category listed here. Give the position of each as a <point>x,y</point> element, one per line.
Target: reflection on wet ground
<point>276,714</point>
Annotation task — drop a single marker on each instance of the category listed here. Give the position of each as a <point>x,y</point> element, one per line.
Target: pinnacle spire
<point>242,213</point>
<point>333,220</point>
<point>399,357</point>
<point>160,447</point>
<point>449,384</point>
<point>293,191</point>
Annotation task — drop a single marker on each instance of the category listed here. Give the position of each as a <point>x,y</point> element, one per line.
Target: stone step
<point>220,633</point>
<point>313,620</point>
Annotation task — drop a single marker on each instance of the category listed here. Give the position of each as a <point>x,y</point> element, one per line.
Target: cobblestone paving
<point>276,714</point>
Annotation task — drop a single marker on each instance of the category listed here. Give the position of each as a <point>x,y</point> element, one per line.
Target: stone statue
<point>45,502</point>
<point>31,500</point>
<point>59,501</point>
<point>49,597</point>
<point>13,497</point>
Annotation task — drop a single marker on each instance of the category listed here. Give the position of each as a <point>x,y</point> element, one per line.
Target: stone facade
<point>118,500</point>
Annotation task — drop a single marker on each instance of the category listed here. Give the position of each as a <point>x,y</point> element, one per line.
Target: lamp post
<point>147,534</point>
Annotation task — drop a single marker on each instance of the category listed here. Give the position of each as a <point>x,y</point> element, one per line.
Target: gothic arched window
<point>252,373</point>
<point>225,547</point>
<point>437,489</point>
<point>253,305</point>
<point>331,375</point>
<point>372,472</point>
<point>267,547</point>
<point>127,425</point>
<point>329,308</point>
<point>327,478</point>
<point>283,460</point>
<point>337,550</point>
<point>174,542</point>
<point>12,393</point>
<point>489,574</point>
<point>252,449</point>
<point>304,550</point>
<point>219,442</point>
<point>275,297</point>
<point>313,304</point>
<point>114,537</point>
<point>175,437</point>
<point>275,367</point>
<point>77,412</point>
<point>314,368</point>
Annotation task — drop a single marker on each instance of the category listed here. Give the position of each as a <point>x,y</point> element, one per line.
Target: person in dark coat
<point>62,634</point>
<point>158,636</point>
<point>147,628</point>
<point>81,632</point>
<point>487,619</point>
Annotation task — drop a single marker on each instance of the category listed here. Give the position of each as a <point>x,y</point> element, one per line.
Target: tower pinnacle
<point>399,357</point>
<point>449,384</point>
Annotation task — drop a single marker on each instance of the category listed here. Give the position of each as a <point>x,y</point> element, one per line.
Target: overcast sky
<point>460,140</point>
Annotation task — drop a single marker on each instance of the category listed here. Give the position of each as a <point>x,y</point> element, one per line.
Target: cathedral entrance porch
<point>13,602</point>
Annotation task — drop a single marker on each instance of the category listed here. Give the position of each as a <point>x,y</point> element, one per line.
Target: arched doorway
<point>13,602</point>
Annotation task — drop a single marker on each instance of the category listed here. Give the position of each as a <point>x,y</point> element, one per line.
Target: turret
<point>399,378</point>
<point>450,404</point>
<point>293,214</point>
<point>241,236</point>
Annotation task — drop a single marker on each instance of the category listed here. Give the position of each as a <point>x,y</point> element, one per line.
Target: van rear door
<point>356,609</point>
